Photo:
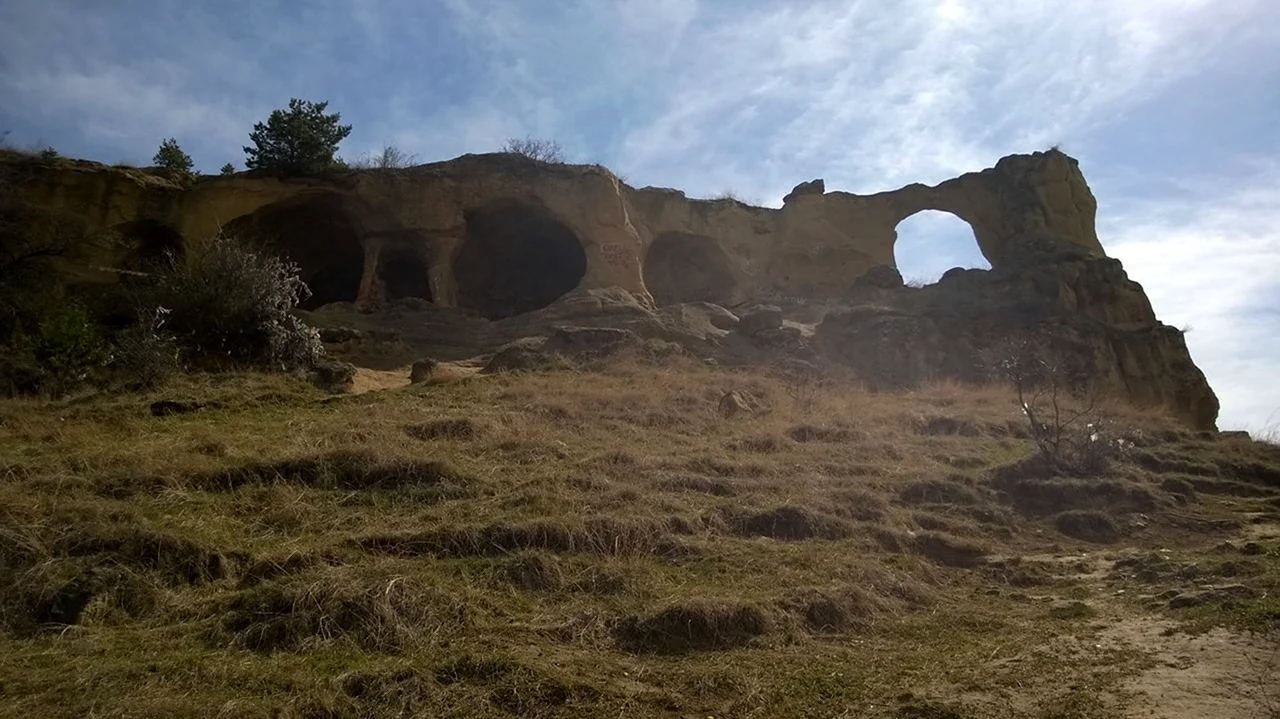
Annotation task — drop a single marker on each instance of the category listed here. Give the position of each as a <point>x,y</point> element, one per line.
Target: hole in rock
<point>516,258</point>
<point>404,273</point>
<point>682,267</point>
<point>147,244</point>
<point>319,234</point>
<point>931,242</point>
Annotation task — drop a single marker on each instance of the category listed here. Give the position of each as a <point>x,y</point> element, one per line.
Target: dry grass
<point>565,543</point>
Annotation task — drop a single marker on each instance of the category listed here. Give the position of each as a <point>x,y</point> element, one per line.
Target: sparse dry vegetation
<point>533,544</point>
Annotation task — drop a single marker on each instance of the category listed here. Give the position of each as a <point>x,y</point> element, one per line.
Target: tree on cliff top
<point>171,156</point>
<point>299,141</point>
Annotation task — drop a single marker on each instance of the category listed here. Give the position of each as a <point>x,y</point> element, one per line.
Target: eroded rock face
<point>1083,313</point>
<point>503,235</point>
<point>482,250</point>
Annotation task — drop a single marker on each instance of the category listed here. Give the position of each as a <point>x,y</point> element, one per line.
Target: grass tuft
<point>693,626</point>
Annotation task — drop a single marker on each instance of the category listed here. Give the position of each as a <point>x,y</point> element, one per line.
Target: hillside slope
<point>609,542</point>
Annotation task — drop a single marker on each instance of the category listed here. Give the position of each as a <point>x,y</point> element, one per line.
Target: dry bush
<point>371,611</point>
<point>1062,408</point>
<point>691,626</point>
<point>389,158</point>
<point>536,149</point>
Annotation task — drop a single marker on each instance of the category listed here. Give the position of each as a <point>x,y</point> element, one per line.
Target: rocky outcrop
<point>469,255</point>
<point>504,235</point>
<point>1083,313</point>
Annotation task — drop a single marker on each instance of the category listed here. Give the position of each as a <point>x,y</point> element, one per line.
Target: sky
<point>1171,106</point>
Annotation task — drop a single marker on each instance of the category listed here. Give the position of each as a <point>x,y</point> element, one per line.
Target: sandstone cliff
<point>500,246</point>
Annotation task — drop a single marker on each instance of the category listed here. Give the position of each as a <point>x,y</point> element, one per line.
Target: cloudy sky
<point>1172,107</point>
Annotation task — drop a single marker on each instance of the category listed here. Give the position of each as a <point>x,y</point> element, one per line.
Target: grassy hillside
<point>607,543</point>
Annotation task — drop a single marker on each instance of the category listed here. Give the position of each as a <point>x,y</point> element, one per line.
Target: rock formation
<point>492,248</point>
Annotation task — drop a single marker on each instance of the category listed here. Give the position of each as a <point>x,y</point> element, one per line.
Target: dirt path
<point>1214,674</point>
<point>368,380</point>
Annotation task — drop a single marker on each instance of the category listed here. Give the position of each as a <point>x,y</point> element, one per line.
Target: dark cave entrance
<point>404,273</point>
<point>516,258</point>
<point>148,245</point>
<point>930,242</point>
<point>318,233</point>
<point>682,267</point>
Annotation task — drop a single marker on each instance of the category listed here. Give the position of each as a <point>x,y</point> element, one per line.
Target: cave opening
<point>148,244</point>
<point>682,267</point>
<point>930,242</point>
<point>405,273</point>
<point>319,234</point>
<point>516,258</point>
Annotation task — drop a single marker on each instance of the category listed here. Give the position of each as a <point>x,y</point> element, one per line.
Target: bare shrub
<point>536,149</point>
<point>389,158</point>
<point>144,354</point>
<point>1061,408</point>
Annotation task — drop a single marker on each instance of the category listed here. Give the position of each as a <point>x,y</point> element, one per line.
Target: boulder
<point>334,376</point>
<point>338,335</point>
<point>880,277</point>
<point>422,370</point>
<point>737,403</point>
<point>812,187</point>
<point>761,318</point>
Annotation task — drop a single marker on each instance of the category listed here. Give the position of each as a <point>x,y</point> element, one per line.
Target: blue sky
<point>1172,107</point>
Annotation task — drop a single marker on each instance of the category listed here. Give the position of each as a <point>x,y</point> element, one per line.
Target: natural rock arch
<point>930,242</point>
<point>515,257</point>
<point>683,267</point>
<point>319,233</point>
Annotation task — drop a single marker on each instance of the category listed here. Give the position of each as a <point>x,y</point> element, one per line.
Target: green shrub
<point>68,345</point>
<point>228,169</point>
<point>230,305</point>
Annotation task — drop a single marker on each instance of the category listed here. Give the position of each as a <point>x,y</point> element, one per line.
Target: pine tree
<point>170,156</point>
<point>228,169</point>
<point>299,141</point>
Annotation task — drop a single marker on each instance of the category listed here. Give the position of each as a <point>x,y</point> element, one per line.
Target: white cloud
<point>1211,262</point>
